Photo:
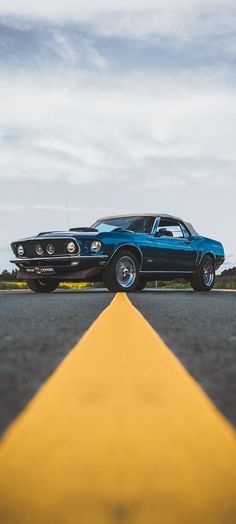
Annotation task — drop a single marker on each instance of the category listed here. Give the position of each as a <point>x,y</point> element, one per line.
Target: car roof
<point>163,215</point>
<point>140,215</point>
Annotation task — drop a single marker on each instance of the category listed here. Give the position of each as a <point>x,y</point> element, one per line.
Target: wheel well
<point>133,249</point>
<point>210,255</point>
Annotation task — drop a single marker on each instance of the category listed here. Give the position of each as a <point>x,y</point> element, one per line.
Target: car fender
<point>129,246</point>
<point>204,254</point>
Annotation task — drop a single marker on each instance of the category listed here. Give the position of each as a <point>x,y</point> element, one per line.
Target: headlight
<point>50,249</point>
<point>96,246</point>
<point>71,247</point>
<point>39,250</point>
<point>20,251</point>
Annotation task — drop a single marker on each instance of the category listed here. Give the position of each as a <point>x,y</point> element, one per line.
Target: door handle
<point>187,242</point>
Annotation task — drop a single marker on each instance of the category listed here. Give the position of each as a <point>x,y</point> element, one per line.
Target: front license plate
<point>40,270</point>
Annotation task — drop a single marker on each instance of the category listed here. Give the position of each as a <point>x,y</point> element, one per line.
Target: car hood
<point>71,233</point>
<point>61,234</point>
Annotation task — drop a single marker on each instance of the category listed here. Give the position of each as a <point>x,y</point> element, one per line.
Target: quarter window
<point>172,229</point>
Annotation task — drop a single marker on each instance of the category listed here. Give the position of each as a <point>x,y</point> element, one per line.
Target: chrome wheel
<point>125,272</point>
<point>208,273</point>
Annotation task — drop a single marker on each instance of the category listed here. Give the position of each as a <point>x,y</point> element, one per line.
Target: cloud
<point>33,47</point>
<point>127,105</point>
<point>133,18</point>
<point>8,208</point>
<point>70,127</point>
<point>75,50</point>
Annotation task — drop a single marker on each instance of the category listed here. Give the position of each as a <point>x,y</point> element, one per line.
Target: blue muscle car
<point>124,252</point>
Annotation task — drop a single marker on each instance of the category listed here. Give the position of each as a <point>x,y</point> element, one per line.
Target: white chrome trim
<point>167,272</point>
<point>155,225</point>
<point>57,258</point>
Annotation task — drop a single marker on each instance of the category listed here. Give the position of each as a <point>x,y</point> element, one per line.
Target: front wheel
<point>204,278</point>
<point>122,272</point>
<point>43,285</point>
<point>141,284</point>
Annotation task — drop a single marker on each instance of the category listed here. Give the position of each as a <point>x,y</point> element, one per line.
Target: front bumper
<point>70,267</point>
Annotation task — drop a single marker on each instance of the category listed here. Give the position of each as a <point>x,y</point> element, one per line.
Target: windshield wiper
<point>83,229</point>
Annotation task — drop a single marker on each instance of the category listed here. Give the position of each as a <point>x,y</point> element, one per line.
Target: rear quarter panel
<point>206,245</point>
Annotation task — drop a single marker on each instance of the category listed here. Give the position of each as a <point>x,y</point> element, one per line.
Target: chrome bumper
<point>52,259</point>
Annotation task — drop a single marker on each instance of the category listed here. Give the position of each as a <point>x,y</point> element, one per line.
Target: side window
<point>170,229</point>
<point>142,225</point>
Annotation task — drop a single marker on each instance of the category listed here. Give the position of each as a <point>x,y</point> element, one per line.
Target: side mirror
<point>157,234</point>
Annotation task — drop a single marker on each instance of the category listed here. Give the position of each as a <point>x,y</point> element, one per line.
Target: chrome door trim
<point>167,272</point>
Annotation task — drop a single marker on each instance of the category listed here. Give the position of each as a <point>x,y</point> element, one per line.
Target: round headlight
<point>50,249</point>
<point>71,247</point>
<point>20,251</point>
<point>96,246</point>
<point>39,250</point>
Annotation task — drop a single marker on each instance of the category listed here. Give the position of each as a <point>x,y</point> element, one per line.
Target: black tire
<point>141,284</point>
<point>43,285</point>
<point>204,278</point>
<point>112,276</point>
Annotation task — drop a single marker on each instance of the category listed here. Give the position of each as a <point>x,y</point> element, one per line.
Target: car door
<point>174,248</point>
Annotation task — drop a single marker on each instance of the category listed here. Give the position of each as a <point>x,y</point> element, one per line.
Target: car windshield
<point>136,224</point>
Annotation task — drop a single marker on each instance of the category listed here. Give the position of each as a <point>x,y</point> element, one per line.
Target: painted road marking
<point>119,433</point>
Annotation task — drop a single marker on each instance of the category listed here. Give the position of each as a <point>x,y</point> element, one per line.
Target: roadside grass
<point>13,285</point>
<point>220,283</point>
<point>73,285</point>
<point>23,285</point>
<point>225,283</point>
<point>174,284</point>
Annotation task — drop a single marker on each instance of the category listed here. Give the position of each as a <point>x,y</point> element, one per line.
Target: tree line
<point>8,276</point>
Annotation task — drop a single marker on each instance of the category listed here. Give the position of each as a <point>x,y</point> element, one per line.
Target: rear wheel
<point>122,272</point>
<point>43,285</point>
<point>204,278</point>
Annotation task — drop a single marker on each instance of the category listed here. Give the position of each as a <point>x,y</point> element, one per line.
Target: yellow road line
<point>119,434</point>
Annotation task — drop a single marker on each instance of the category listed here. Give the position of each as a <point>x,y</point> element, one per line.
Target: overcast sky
<point>117,106</point>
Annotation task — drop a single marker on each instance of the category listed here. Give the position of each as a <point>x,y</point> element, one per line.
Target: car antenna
<point>67,212</point>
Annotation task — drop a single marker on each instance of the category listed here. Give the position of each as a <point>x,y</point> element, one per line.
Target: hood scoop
<point>84,229</point>
<point>47,233</point>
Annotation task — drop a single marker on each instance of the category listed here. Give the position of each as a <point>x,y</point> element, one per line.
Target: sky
<point>117,107</point>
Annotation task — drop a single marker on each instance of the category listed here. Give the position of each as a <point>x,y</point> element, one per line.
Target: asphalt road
<point>37,331</point>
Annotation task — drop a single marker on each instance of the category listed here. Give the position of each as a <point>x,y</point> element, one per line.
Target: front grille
<point>30,247</point>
